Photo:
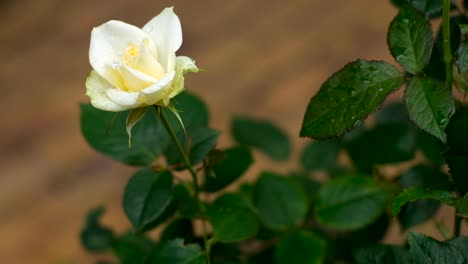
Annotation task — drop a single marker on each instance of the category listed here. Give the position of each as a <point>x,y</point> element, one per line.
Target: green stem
<point>192,171</point>
<point>447,48</point>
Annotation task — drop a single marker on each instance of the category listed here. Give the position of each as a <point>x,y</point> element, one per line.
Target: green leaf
<point>280,202</point>
<point>456,132</point>
<point>263,135</point>
<point>320,155</point>
<point>350,202</point>
<point>133,117</point>
<point>430,105</point>
<point>192,111</point>
<point>428,7</point>
<point>393,142</point>
<point>431,147</point>
<point>394,112</point>
<point>202,141</point>
<point>185,201</point>
<point>462,205</point>
<point>106,133</point>
<point>461,244</point>
<point>308,184</point>
<point>179,228</point>
<point>232,218</point>
<point>383,254</point>
<point>132,249</point>
<point>94,236</point>
<point>462,52</point>
<point>237,161</point>
<point>420,211</point>
<point>146,197</point>
<point>175,252</point>
<point>410,40</point>
<point>426,250</point>
<point>299,248</point>
<point>425,176</point>
<point>457,168</point>
<point>348,97</point>
<point>418,193</point>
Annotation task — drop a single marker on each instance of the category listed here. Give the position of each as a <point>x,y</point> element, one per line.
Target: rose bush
<point>135,67</point>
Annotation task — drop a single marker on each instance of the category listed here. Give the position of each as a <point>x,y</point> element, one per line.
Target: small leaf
<point>95,237</point>
<point>431,147</point>
<point>235,164</point>
<point>428,7</point>
<point>263,135</point>
<point>132,249</point>
<point>430,105</point>
<point>350,202</point>
<point>426,250</point>
<point>185,201</point>
<point>179,228</point>
<point>299,248</point>
<point>175,252</point>
<point>456,132</point>
<point>320,155</point>
<point>348,97</point>
<point>462,52</point>
<point>191,110</point>
<point>418,193</point>
<point>394,112</point>
<point>382,254</point>
<point>133,117</point>
<point>280,202</point>
<point>410,40</point>
<point>394,143</point>
<point>106,133</point>
<point>461,244</point>
<point>202,141</point>
<point>462,205</point>
<point>232,218</point>
<point>146,197</point>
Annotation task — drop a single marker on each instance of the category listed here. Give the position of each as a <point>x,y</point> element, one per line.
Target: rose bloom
<point>135,67</point>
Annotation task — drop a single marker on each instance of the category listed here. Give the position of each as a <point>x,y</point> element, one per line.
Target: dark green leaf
<point>350,202</point>
<point>430,105</point>
<point>179,228</point>
<point>309,185</point>
<point>133,117</point>
<point>320,155</point>
<point>426,250</point>
<point>417,212</point>
<point>262,135</point>
<point>202,141</point>
<point>95,237</point>
<point>146,197</point>
<point>106,133</point>
<point>431,147</point>
<point>458,170</point>
<point>425,176</point>
<point>394,112</point>
<point>232,218</point>
<point>456,132</point>
<point>461,244</point>
<point>192,111</point>
<point>299,248</point>
<point>418,193</point>
<point>132,249</point>
<point>462,52</point>
<point>428,7</point>
<point>237,161</point>
<point>175,252</point>
<point>280,202</point>
<point>185,201</point>
<point>410,40</point>
<point>382,254</point>
<point>393,142</point>
<point>462,205</point>
<point>348,97</point>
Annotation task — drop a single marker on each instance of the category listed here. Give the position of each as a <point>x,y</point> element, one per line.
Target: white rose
<point>135,67</point>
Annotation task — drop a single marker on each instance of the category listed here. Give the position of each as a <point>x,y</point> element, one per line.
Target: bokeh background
<point>265,58</point>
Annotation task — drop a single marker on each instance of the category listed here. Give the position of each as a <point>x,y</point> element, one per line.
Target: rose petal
<point>134,80</point>
<point>96,89</point>
<point>126,99</point>
<point>184,65</point>
<point>108,44</point>
<point>166,32</point>
<point>156,92</point>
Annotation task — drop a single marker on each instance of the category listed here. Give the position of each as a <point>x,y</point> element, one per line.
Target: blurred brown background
<point>265,58</point>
